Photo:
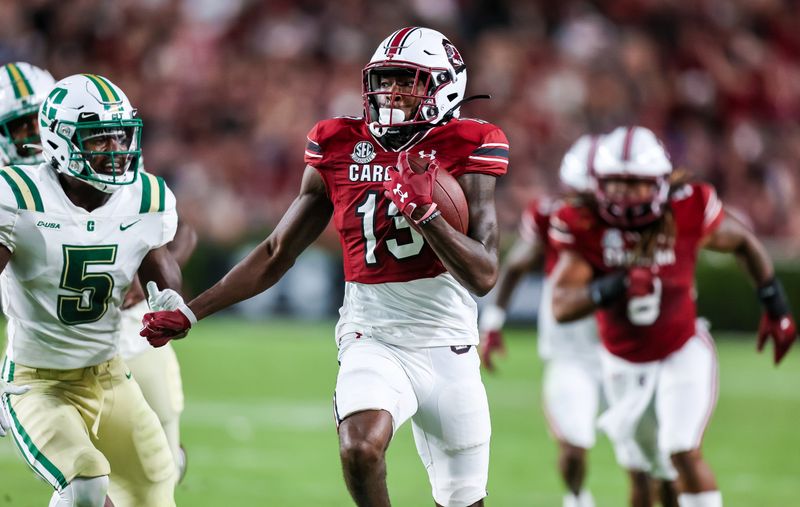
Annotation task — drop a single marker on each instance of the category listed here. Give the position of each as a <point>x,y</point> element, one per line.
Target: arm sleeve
<point>491,155</point>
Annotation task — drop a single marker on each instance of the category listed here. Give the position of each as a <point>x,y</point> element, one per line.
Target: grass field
<point>259,429</point>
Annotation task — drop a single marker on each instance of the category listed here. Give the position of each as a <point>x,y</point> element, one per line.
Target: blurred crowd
<point>228,90</point>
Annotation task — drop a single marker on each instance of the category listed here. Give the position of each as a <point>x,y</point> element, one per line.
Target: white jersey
<point>130,343</point>
<point>428,312</point>
<point>575,340</point>
<point>70,268</point>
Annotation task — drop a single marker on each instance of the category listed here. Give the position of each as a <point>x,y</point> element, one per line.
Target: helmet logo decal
<point>363,152</point>
<point>397,41</point>
<point>453,56</point>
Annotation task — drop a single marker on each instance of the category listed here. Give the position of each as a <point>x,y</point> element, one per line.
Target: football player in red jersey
<point>631,259</point>
<point>407,332</point>
<point>572,383</point>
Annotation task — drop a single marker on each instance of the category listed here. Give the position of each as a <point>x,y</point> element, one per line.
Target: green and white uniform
<point>71,268</point>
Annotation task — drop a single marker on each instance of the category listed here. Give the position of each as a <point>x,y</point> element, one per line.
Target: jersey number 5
<point>91,290</point>
<point>367,211</point>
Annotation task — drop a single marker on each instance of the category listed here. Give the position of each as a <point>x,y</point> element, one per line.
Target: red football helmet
<point>631,171</point>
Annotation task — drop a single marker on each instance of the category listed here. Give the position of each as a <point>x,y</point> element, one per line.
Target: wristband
<point>428,216</point>
<point>492,318</point>
<point>773,298</point>
<point>188,313</point>
<point>605,290</point>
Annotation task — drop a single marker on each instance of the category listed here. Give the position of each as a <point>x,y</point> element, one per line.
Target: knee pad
<point>82,492</point>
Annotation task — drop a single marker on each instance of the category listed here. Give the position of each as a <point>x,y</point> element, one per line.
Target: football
<point>447,194</point>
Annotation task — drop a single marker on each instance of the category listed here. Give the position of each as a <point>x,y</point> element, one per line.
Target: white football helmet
<point>437,67</point>
<point>90,131</point>
<point>23,87</point>
<point>635,154</point>
<point>578,163</point>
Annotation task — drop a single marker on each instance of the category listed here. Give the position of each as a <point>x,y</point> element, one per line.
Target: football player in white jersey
<point>23,87</point>
<point>74,232</point>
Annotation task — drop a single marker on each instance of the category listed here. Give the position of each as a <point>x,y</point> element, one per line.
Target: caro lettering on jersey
<point>71,268</point>
<point>378,244</point>
<point>697,212</point>
<point>535,226</point>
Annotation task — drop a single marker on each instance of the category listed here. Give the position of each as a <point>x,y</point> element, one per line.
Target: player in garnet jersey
<point>631,258</point>
<point>572,383</point>
<point>407,332</point>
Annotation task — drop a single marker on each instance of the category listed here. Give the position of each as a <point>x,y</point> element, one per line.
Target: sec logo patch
<point>363,152</point>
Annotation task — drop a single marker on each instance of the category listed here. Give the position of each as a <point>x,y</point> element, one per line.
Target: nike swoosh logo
<point>128,375</point>
<point>126,227</point>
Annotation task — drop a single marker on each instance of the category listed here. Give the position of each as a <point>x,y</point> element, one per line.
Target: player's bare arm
<point>525,256</point>
<point>777,322</point>
<point>471,258</point>
<point>733,237</point>
<point>161,267</point>
<point>183,244</point>
<point>5,256</point>
<point>572,298</point>
<point>303,222</point>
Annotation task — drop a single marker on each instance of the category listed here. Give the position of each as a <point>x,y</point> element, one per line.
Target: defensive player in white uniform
<point>408,326</point>
<point>572,382</point>
<point>74,232</point>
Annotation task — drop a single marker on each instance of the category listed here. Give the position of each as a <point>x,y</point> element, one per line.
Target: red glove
<point>640,282</point>
<point>161,327</point>
<point>491,343</point>
<point>782,330</point>
<point>409,189</point>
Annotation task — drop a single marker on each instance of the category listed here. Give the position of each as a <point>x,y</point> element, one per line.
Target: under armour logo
<point>398,191</point>
<point>431,155</point>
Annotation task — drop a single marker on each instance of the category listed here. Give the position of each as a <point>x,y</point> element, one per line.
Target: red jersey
<point>378,244</point>
<point>697,212</point>
<point>535,226</point>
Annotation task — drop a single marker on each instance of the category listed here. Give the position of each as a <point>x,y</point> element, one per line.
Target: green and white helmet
<point>23,87</point>
<point>90,131</point>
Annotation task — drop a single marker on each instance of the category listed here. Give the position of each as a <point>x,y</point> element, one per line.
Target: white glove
<point>159,300</point>
<point>8,389</point>
<point>167,300</point>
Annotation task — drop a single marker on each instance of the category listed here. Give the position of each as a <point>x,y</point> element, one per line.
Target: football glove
<point>409,189</point>
<point>490,325</point>
<point>161,327</point>
<point>777,322</point>
<point>166,299</point>
<point>8,389</point>
<point>644,296</point>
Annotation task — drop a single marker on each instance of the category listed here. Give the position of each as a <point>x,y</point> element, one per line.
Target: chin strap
<point>449,113</point>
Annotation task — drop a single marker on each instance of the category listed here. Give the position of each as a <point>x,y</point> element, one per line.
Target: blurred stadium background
<point>228,90</point>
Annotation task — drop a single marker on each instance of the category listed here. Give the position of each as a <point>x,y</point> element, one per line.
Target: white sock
<point>82,492</point>
<point>584,499</point>
<point>704,499</point>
